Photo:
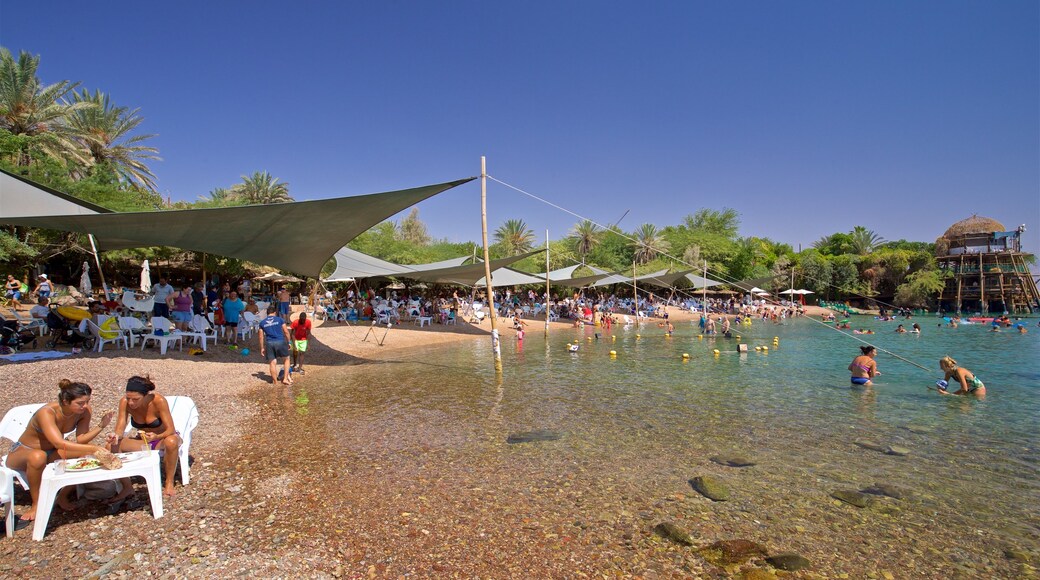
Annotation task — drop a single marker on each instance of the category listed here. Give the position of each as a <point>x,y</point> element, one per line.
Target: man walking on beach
<point>301,330</point>
<point>274,343</point>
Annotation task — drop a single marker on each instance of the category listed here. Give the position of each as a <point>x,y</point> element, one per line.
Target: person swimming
<point>863,367</point>
<point>970,384</point>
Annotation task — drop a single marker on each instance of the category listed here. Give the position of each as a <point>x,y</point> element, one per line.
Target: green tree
<point>261,188</point>
<point>514,237</point>
<point>919,288</point>
<point>413,230</point>
<point>815,272</point>
<point>105,131</point>
<point>585,236</point>
<point>648,243</point>
<point>834,244</point>
<point>723,223</point>
<point>35,111</point>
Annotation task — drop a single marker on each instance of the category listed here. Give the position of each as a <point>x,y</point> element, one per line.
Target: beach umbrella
<point>146,278</point>
<point>790,291</point>
<point>756,290</point>
<point>802,293</point>
<point>84,280</point>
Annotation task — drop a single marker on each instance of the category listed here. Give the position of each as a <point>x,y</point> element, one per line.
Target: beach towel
<point>30,356</point>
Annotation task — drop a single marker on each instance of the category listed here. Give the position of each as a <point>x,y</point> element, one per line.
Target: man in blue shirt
<point>274,335</point>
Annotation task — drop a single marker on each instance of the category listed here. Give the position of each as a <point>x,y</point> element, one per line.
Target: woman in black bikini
<point>44,441</point>
<point>148,412</point>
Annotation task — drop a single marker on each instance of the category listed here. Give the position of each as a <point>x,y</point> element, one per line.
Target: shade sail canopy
<point>466,275</point>
<point>297,237</point>
<point>510,277</point>
<point>667,280</point>
<point>702,282</point>
<point>276,277</point>
<point>20,197</point>
<point>564,276</point>
<point>619,279</point>
<point>351,264</point>
<point>561,274</point>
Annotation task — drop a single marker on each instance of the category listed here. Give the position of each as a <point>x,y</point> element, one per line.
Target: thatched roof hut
<point>976,224</point>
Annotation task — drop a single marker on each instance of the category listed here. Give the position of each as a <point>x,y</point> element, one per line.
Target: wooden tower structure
<point>987,269</point>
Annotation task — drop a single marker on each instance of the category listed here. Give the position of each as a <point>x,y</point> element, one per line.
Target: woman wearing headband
<point>148,413</point>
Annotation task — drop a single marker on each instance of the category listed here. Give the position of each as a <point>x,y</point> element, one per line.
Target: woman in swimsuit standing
<point>149,413</point>
<point>863,367</point>
<point>44,440</point>
<point>970,384</point>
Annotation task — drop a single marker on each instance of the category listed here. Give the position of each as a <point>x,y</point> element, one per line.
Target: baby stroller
<point>13,336</point>
<point>66,331</point>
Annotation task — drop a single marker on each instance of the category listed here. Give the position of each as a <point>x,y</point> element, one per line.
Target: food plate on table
<point>83,464</point>
<point>130,456</point>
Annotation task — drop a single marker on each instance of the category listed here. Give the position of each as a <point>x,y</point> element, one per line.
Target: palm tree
<point>724,223</point>
<point>218,197</point>
<point>261,188</point>
<point>26,108</point>
<point>864,241</point>
<point>648,243</point>
<point>515,237</point>
<point>585,235</point>
<point>104,130</point>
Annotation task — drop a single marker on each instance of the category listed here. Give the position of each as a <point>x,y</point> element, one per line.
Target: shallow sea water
<point>428,431</point>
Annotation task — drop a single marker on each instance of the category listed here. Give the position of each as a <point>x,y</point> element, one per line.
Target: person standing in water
<point>970,384</point>
<point>863,367</point>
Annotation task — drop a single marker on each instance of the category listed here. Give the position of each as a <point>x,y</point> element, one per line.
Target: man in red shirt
<point>301,330</point>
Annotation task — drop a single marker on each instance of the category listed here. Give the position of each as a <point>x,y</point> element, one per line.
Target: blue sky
<point>807,117</point>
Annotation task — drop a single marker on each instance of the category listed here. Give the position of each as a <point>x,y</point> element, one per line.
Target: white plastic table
<point>164,341</point>
<point>146,467</point>
<point>199,336</point>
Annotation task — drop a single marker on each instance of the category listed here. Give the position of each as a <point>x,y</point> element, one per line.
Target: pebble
<point>670,531</point>
<point>533,436</point>
<point>885,489</point>
<point>710,488</point>
<point>733,460</point>
<point>858,499</point>
<point>789,561</point>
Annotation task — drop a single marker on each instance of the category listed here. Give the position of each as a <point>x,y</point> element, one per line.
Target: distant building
<point>988,271</point>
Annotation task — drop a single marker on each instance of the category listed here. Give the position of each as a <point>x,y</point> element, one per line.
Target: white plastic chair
<point>120,335</point>
<point>7,498</point>
<point>185,418</point>
<point>38,325</point>
<point>199,325</point>
<point>134,327</point>
<point>247,321</point>
<point>11,427</point>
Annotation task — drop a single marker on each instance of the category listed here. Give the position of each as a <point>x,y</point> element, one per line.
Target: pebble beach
<point>281,488</point>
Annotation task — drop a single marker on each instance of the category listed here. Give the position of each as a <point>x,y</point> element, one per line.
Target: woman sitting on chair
<point>44,441</point>
<point>148,412</point>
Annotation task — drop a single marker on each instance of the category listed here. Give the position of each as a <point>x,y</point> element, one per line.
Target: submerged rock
<point>886,490</point>
<point>871,445</point>
<point>789,561</point>
<point>897,450</point>
<point>710,488</point>
<point>726,552</point>
<point>858,499</point>
<point>920,429</point>
<point>1017,555</point>
<point>733,460</point>
<point>533,436</point>
<point>670,531</point>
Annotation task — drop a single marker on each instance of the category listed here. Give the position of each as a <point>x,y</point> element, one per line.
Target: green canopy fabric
<point>466,275</point>
<point>351,264</point>
<point>296,237</point>
<point>20,197</point>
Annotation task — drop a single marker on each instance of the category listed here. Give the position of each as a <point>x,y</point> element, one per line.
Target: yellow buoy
<point>776,338</point>
<point>637,336</point>
<point>700,337</point>
<point>686,355</point>
<point>738,337</point>
<point>716,351</point>
<point>758,348</point>
<point>765,348</point>
<point>613,337</point>
<point>588,338</point>
<point>613,353</point>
